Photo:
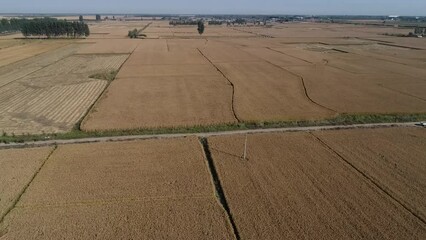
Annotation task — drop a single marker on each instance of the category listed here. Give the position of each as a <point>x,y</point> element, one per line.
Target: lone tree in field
<point>200,27</point>
<point>80,18</point>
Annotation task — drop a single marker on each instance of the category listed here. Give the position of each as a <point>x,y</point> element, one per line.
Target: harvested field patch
<point>162,102</point>
<point>27,66</point>
<point>18,167</point>
<point>292,187</point>
<point>46,110</point>
<point>393,158</point>
<point>17,53</point>
<point>53,94</point>
<point>139,190</point>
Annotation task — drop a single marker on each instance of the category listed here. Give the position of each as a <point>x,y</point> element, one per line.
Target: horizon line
<point>207,14</point>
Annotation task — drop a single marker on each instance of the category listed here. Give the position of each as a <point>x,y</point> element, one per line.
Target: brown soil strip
<point>230,82</point>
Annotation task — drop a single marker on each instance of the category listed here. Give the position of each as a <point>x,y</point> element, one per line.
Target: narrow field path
<point>202,135</point>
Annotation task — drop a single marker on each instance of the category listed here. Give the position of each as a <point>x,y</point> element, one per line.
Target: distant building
<point>393,17</point>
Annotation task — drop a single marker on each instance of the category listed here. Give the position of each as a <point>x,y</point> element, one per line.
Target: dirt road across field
<point>206,134</point>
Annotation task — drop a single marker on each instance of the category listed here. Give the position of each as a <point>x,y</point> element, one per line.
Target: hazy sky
<point>354,7</point>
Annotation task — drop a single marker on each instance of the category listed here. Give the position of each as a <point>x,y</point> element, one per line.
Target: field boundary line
<point>26,187</point>
<point>370,179</point>
<point>230,82</point>
<point>220,194</point>
<point>202,134</point>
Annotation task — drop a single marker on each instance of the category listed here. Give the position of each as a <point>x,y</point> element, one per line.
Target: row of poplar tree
<point>48,27</point>
<point>12,25</point>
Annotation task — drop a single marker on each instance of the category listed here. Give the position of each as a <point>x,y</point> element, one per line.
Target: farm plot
<point>17,169</point>
<point>163,89</point>
<point>132,190</point>
<point>286,190</point>
<point>54,98</point>
<point>153,102</point>
<point>393,158</point>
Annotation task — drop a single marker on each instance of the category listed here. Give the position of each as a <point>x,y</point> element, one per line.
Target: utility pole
<point>245,149</point>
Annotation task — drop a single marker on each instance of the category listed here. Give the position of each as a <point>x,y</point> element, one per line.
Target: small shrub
<point>133,33</point>
<point>109,76</point>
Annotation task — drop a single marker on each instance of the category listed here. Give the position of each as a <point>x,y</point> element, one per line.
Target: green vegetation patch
<point>109,76</point>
